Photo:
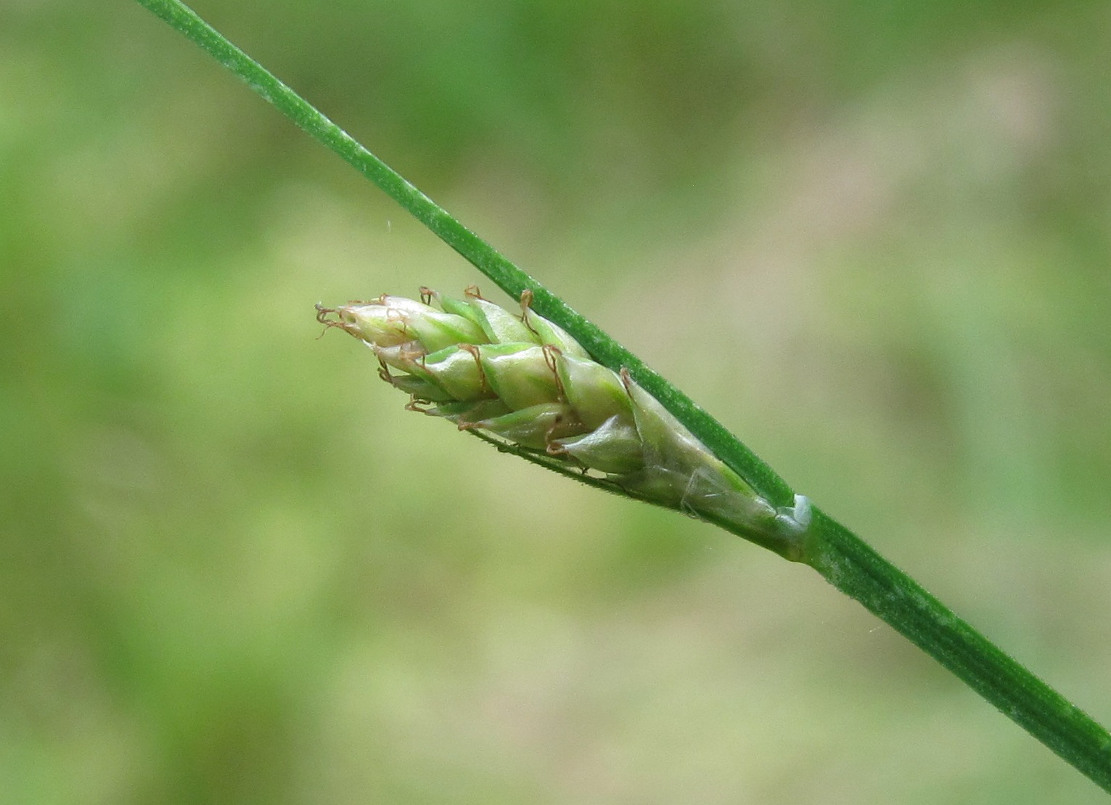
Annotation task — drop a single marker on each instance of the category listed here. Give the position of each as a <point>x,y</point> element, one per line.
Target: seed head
<point>523,382</point>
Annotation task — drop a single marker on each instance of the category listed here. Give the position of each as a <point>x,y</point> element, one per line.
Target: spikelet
<point>523,382</point>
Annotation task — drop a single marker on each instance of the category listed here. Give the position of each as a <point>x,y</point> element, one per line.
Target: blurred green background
<point>872,239</point>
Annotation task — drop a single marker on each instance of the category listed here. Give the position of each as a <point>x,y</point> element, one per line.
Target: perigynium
<point>523,382</point>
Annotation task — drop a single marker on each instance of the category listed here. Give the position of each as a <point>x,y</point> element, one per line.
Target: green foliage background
<point>872,239</point>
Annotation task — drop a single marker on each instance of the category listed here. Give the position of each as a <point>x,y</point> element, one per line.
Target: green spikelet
<point>524,383</point>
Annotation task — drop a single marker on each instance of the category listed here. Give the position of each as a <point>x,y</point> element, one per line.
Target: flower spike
<point>524,383</point>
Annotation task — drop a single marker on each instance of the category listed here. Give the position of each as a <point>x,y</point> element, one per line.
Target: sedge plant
<point>551,387</point>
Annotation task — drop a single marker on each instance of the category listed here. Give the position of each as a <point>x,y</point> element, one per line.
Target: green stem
<point>842,558</point>
<point>853,567</point>
<point>484,257</point>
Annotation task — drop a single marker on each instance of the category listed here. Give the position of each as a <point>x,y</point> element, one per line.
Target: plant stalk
<point>831,549</point>
<point>854,568</point>
<point>484,257</point>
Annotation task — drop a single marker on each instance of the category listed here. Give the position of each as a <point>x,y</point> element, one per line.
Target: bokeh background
<point>872,239</point>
